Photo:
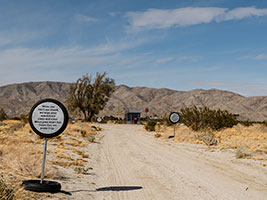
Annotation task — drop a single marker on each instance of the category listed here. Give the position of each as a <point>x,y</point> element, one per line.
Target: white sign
<point>174,117</point>
<point>47,118</point>
<point>99,119</point>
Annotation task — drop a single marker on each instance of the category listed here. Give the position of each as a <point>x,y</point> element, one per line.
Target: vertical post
<point>174,130</point>
<point>44,156</point>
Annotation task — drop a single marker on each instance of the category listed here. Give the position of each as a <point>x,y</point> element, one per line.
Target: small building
<point>133,116</point>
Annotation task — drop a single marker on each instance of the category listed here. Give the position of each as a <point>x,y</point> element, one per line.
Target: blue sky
<point>181,45</point>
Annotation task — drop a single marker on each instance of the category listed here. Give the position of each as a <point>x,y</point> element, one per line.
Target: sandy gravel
<point>129,163</point>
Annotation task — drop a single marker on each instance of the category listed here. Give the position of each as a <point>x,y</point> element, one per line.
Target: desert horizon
<point>133,100</point>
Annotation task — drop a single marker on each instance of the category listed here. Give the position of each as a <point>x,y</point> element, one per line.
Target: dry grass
<point>21,154</point>
<point>24,160</point>
<point>252,139</point>
<point>67,164</point>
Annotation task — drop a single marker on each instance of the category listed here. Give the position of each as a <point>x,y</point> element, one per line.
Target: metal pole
<point>174,130</point>
<point>44,156</point>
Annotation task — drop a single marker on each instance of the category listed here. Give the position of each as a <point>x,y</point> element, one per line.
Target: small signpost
<point>48,118</point>
<point>174,118</point>
<point>99,119</point>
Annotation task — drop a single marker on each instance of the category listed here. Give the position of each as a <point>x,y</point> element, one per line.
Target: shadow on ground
<point>119,188</point>
<point>104,189</point>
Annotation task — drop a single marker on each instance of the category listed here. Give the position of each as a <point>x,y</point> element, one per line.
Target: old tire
<point>46,186</point>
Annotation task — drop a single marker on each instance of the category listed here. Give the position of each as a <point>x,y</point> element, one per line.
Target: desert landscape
<point>18,99</point>
<point>133,100</point>
<point>120,161</point>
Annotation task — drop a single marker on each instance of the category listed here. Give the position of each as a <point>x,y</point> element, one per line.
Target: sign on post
<point>174,118</point>
<point>99,119</point>
<point>48,118</point>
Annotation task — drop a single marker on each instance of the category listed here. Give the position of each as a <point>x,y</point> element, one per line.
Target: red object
<point>146,110</point>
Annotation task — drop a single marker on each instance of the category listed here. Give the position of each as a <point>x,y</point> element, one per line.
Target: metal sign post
<point>174,118</point>
<point>44,157</point>
<point>48,118</point>
<point>174,130</point>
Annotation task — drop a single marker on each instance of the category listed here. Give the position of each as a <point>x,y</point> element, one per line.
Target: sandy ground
<point>129,163</point>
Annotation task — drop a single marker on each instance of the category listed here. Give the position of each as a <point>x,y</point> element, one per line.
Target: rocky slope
<point>16,99</point>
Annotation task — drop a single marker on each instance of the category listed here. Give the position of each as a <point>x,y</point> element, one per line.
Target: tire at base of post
<point>46,186</point>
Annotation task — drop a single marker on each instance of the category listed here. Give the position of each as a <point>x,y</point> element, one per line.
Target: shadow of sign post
<point>111,188</point>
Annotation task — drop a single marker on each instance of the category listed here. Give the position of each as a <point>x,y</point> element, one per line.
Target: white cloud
<point>157,18</point>
<point>180,59</point>
<point>261,57</point>
<point>113,14</point>
<point>240,13</point>
<point>85,18</point>
<point>160,18</point>
<point>29,64</point>
<point>164,60</point>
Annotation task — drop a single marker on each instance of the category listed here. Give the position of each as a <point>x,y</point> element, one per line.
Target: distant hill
<point>17,99</point>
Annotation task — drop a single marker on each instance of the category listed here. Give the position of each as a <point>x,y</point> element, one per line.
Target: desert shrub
<point>96,128</point>
<point>83,133</point>
<point>246,123</point>
<point>150,126</point>
<point>2,124</point>
<point>15,118</point>
<point>241,154</point>
<point>264,123</point>
<point>166,121</point>
<point>16,127</point>
<point>24,118</point>
<point>157,135</point>
<point>91,138</point>
<point>208,138</point>
<point>205,118</point>
<point>120,121</point>
<point>145,119</point>
<point>3,115</point>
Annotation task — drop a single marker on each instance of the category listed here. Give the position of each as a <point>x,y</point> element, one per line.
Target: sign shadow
<point>105,189</point>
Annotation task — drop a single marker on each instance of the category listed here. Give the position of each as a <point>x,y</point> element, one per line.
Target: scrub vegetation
<point>21,155</point>
<point>89,95</point>
<point>199,118</point>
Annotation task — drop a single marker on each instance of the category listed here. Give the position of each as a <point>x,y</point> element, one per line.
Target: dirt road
<point>131,164</point>
<point>134,165</point>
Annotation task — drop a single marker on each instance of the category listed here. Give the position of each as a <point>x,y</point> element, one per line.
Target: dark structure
<point>133,116</point>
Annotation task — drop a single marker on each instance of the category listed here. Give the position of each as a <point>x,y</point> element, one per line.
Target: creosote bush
<point>246,123</point>
<point>157,135</point>
<point>91,138</point>
<point>3,115</point>
<point>150,126</point>
<point>205,118</point>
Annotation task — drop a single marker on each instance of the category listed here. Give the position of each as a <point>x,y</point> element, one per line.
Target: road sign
<point>174,117</point>
<point>99,119</point>
<point>48,118</point>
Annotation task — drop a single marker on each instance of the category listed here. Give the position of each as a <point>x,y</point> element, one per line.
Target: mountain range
<point>18,99</point>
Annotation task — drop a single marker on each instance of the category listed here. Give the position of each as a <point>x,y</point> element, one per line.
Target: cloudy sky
<point>182,45</point>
